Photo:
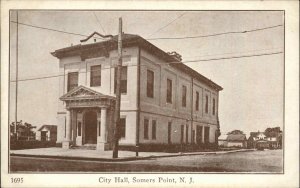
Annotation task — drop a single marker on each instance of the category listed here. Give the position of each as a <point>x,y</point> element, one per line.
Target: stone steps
<point>86,146</point>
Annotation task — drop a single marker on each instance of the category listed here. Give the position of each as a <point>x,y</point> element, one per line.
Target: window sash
<point>184,89</point>
<point>150,83</point>
<point>169,132</point>
<point>123,83</point>
<point>182,134</point>
<point>206,104</point>
<point>153,129</point>
<point>206,135</point>
<point>214,108</point>
<point>197,101</point>
<point>187,134</point>
<point>95,79</point>
<point>169,91</point>
<point>146,129</point>
<point>72,80</point>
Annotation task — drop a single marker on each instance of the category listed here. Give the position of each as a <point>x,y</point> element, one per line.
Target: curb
<point>127,158</point>
<point>81,158</point>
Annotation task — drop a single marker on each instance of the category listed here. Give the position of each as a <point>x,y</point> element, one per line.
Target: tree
<point>272,132</point>
<point>235,132</point>
<point>24,130</point>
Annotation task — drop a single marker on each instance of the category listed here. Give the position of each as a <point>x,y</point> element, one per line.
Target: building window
<point>206,103</point>
<point>187,134</point>
<point>214,107</point>
<point>199,134</point>
<point>206,135</point>
<point>169,91</point>
<point>150,83</point>
<point>169,132</point>
<point>193,136</point>
<point>182,134</point>
<point>197,101</point>
<point>95,76</point>
<point>72,80</point>
<point>153,129</point>
<point>184,96</point>
<point>146,129</point>
<point>123,84</point>
<point>122,127</point>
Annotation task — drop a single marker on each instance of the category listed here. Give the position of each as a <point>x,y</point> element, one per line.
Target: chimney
<point>175,55</point>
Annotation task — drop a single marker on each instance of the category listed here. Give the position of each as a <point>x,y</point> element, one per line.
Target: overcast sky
<point>252,98</point>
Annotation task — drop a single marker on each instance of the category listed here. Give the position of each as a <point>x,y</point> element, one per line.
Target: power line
<point>39,27</point>
<point>184,62</point>
<point>167,24</point>
<point>216,34</point>
<point>165,38</point>
<point>232,57</point>
<point>99,38</point>
<point>266,49</point>
<point>99,23</point>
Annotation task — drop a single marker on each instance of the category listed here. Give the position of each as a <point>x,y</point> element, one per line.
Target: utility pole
<point>16,105</point>
<point>118,94</point>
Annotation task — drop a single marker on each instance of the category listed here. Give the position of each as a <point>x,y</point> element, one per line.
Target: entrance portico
<point>88,118</point>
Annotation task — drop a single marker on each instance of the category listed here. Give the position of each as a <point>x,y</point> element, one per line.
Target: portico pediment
<point>82,92</point>
<point>85,97</point>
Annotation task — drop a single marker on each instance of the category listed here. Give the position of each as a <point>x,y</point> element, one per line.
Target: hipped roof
<point>236,137</point>
<point>51,128</point>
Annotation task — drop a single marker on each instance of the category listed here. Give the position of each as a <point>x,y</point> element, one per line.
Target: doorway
<point>90,120</point>
<point>43,135</point>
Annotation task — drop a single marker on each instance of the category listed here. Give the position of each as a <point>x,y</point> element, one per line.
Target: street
<point>253,161</point>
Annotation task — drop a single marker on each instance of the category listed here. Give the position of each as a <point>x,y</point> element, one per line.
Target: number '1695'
<point>16,180</point>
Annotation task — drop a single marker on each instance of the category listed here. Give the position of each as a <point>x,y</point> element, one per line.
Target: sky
<point>252,98</point>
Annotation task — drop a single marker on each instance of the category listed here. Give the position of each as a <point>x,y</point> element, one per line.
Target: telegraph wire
<point>232,57</point>
<point>99,23</point>
<point>147,39</point>
<point>216,34</point>
<point>206,55</point>
<point>39,27</point>
<point>161,28</point>
<point>167,38</point>
<point>183,62</point>
<point>55,30</point>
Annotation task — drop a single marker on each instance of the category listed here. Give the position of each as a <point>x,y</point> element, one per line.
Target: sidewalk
<point>83,154</point>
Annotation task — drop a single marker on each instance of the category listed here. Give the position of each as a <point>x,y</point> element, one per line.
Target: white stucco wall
<point>158,108</point>
<point>152,108</point>
<point>236,144</point>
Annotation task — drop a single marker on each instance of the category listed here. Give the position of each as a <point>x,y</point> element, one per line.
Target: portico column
<point>66,142</point>
<point>102,140</point>
<point>103,124</point>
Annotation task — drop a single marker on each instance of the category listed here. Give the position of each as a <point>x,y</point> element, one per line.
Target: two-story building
<point>163,101</point>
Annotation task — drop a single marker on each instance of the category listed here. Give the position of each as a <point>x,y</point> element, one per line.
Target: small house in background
<point>257,138</point>
<point>222,141</point>
<point>47,133</point>
<point>236,140</point>
<point>271,138</point>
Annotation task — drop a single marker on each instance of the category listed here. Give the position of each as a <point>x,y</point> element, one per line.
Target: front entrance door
<point>90,127</point>
<point>43,135</point>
